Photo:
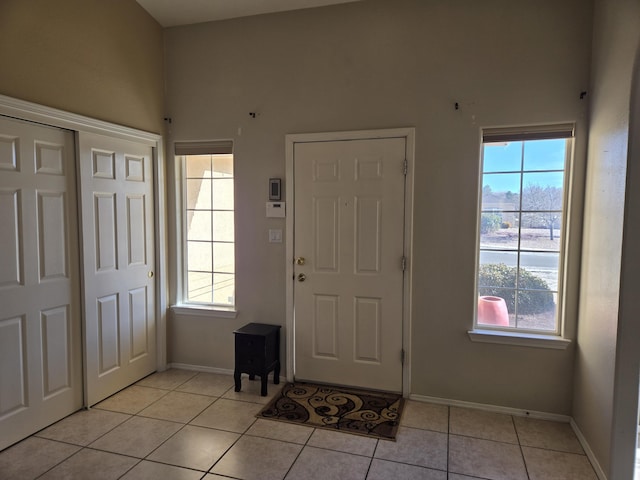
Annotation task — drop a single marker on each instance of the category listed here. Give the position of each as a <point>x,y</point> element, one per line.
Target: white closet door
<point>40,327</point>
<point>116,181</point>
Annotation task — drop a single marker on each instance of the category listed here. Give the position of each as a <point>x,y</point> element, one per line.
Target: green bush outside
<point>534,295</point>
<point>490,222</point>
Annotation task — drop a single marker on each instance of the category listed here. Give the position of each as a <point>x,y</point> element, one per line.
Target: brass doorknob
<point>150,274</point>
<point>302,277</point>
<point>300,261</point>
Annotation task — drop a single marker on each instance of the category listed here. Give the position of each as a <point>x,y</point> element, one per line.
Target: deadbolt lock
<point>300,261</point>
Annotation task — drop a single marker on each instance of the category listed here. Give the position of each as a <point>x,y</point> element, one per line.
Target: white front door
<point>40,327</point>
<point>118,263</point>
<point>349,250</point>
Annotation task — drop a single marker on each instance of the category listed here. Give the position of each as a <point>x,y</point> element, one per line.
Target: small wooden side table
<point>257,353</point>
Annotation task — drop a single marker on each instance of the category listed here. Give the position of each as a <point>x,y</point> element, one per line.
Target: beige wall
<point>626,396</point>
<point>98,58</point>
<point>380,64</point>
<point>606,378</point>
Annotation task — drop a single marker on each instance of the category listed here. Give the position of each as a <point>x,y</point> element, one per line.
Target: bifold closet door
<point>117,212</point>
<point>40,326</point>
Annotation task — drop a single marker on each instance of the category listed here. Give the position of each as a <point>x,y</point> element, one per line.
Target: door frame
<point>33,112</point>
<point>408,134</point>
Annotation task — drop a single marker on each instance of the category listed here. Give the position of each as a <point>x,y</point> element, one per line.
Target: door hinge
<point>405,166</point>
<point>404,263</point>
<point>402,356</point>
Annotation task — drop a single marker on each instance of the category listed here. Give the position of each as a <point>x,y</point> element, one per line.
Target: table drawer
<point>250,344</point>
<point>250,361</point>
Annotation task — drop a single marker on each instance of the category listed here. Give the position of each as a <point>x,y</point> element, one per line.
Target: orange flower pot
<point>492,311</point>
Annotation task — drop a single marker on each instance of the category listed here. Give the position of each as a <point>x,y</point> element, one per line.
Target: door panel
<point>52,235</point>
<point>56,327</point>
<point>40,339</point>
<point>136,241</point>
<point>118,236</point>
<point>109,337</point>
<point>325,326</point>
<point>10,236</point>
<point>139,323</point>
<point>367,330</point>
<point>12,367</point>
<point>348,225</point>
<point>106,244</point>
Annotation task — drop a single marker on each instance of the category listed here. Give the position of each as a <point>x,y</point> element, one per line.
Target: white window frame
<point>184,306</point>
<point>519,336</point>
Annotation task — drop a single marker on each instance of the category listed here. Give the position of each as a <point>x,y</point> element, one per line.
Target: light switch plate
<point>275,235</point>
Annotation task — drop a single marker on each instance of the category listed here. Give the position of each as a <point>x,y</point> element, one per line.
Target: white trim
<point>587,450</point>
<point>162,280</point>
<point>350,135</point>
<point>219,371</point>
<point>519,338</point>
<point>204,311</point>
<point>408,248</point>
<point>20,109</point>
<point>290,140</point>
<point>518,412</point>
<point>23,110</point>
<point>565,234</point>
<point>289,310</point>
<point>201,368</point>
<point>182,258</point>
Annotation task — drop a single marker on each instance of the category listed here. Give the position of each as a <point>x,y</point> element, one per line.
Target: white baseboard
<point>201,368</point>
<point>493,408</point>
<point>587,450</point>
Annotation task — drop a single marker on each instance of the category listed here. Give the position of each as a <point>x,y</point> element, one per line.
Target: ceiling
<point>170,13</point>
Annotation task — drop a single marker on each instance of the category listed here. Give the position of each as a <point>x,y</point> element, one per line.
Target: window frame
<point>185,306</point>
<point>516,335</point>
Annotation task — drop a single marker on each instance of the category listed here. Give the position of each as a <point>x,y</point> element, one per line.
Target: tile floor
<point>637,473</point>
<point>186,425</point>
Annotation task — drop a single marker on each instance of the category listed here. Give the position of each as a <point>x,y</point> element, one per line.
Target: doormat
<point>362,412</point>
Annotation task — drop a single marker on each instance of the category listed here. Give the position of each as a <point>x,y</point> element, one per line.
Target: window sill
<point>520,339</point>
<point>204,311</point>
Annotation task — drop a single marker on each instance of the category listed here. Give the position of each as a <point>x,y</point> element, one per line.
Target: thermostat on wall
<point>275,189</point>
<point>276,210</point>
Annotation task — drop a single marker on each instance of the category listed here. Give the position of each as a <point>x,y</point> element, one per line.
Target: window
<point>208,215</point>
<point>521,232</point>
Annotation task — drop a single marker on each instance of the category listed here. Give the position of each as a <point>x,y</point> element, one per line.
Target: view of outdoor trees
<point>542,208</point>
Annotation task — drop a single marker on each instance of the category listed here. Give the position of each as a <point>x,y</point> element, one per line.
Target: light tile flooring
<point>637,473</point>
<point>186,425</point>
